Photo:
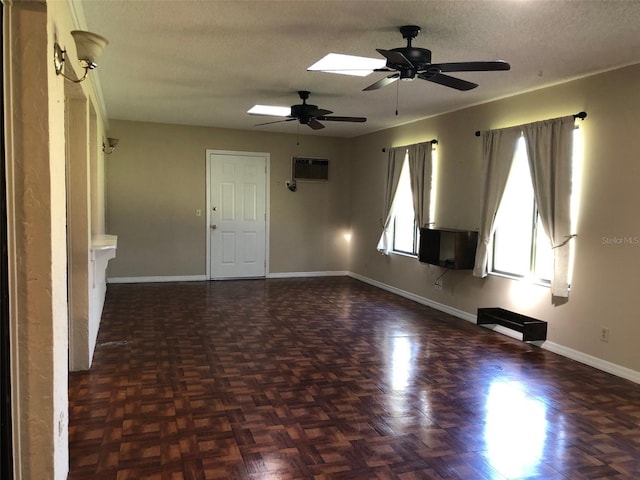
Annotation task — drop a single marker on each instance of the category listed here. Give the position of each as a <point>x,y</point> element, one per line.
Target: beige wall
<point>605,276</point>
<point>156,181</point>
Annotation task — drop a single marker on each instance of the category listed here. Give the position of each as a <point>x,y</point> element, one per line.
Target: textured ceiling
<point>206,62</point>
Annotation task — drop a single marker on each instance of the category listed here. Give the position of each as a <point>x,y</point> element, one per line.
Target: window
<point>406,232</point>
<point>521,247</point>
<point>407,166</point>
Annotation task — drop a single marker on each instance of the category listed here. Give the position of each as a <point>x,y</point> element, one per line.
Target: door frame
<point>267,200</point>
<point>6,363</point>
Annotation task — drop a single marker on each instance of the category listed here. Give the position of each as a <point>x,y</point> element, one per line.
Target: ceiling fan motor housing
<point>419,57</point>
<point>303,112</point>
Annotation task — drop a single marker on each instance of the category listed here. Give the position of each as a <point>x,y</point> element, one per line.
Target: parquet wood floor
<point>330,378</point>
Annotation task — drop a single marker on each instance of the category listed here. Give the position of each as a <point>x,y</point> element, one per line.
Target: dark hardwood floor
<point>330,378</point>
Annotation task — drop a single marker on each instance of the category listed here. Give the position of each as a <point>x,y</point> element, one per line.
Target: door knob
<point>214,226</point>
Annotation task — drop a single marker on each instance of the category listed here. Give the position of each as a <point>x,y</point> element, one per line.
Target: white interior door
<point>237,215</point>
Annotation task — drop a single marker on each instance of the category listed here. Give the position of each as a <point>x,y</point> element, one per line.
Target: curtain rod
<point>580,115</point>
<point>432,142</point>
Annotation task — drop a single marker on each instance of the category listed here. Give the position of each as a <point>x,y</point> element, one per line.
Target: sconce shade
<point>89,46</point>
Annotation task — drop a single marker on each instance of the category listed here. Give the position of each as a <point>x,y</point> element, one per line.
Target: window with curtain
<point>520,247</point>
<point>405,228</point>
<point>410,198</point>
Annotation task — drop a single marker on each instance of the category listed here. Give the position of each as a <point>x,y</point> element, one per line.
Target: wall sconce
<point>110,146</point>
<point>89,46</point>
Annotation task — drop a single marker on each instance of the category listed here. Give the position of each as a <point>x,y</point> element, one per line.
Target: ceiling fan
<point>410,62</point>
<point>311,115</point>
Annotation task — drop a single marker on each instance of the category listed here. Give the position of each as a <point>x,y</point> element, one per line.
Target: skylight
<point>347,64</point>
<point>270,110</point>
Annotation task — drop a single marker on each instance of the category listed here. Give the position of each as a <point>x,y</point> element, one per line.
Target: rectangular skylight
<point>270,110</point>
<point>347,64</point>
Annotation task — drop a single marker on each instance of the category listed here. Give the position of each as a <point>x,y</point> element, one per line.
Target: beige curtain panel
<point>498,149</point>
<point>550,153</point>
<point>420,172</point>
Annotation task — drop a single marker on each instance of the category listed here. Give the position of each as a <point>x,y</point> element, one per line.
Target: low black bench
<point>531,328</point>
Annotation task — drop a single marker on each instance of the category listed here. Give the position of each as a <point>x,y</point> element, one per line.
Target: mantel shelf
<point>103,242</point>
<point>103,247</point>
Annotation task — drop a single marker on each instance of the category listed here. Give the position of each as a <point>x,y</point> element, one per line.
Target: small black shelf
<point>448,247</point>
<point>532,329</point>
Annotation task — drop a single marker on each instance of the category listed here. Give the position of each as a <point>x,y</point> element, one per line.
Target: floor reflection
<point>515,429</point>
<point>403,351</point>
<point>403,354</point>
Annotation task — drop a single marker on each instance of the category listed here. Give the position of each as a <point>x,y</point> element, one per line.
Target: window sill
<point>530,280</point>
<point>404,254</point>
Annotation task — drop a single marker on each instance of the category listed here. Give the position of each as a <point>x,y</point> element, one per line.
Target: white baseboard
<point>576,355</point>
<point>417,298</point>
<point>307,274</point>
<point>595,362</point>
<point>159,279</point>
<point>202,278</point>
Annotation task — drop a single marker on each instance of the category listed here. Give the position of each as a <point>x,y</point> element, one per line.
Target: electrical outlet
<point>604,334</point>
<point>198,212</point>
